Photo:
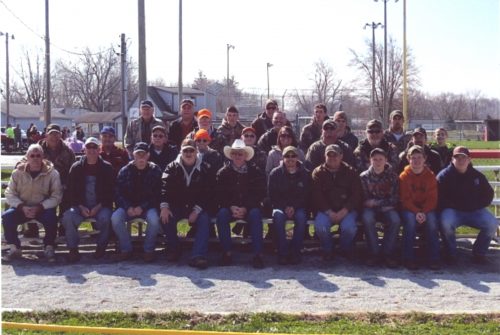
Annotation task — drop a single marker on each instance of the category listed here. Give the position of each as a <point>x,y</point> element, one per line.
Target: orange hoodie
<point>418,192</point>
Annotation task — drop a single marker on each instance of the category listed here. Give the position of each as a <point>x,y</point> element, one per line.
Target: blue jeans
<point>72,219</point>
<point>410,232</point>
<point>200,247</point>
<point>119,222</point>
<point>348,228</point>
<point>279,223</point>
<point>391,221</point>
<point>253,218</point>
<point>481,219</point>
<point>12,217</point>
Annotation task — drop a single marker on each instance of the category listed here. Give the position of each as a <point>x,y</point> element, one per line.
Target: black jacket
<point>433,160</point>
<point>287,189</point>
<point>240,189</point>
<point>167,155</point>
<point>175,131</point>
<point>105,183</point>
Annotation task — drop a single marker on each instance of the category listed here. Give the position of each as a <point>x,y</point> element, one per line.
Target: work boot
<point>73,255</point>
<point>13,253</point>
<point>50,253</point>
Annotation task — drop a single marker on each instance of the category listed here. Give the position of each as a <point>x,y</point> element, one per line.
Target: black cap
<point>141,146</point>
<point>108,130</point>
<point>420,130</point>
<point>147,103</point>
<point>329,123</point>
<point>374,125</point>
<point>53,127</point>
<point>378,151</point>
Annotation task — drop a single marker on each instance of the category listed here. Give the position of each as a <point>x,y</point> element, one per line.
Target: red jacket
<point>418,192</point>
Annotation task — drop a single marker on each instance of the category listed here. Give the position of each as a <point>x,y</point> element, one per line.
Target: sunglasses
<point>158,136</point>
<point>35,156</point>
<point>202,140</point>
<point>290,156</point>
<point>188,151</point>
<point>249,135</point>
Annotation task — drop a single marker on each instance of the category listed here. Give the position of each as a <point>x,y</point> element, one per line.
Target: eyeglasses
<point>158,136</point>
<point>249,135</point>
<point>94,147</point>
<point>290,156</point>
<point>202,140</point>
<point>35,156</point>
<point>188,151</point>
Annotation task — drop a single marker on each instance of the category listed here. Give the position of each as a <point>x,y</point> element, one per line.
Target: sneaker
<point>148,257</point>
<point>50,253</point>
<point>257,262</point>
<point>12,254</point>
<point>294,259</point>
<point>391,263</point>
<point>73,255</point>
<point>372,261</point>
<point>226,259</point>
<point>411,265</point>
<point>174,256</point>
<point>198,262</point>
<point>327,256</point>
<point>99,252</point>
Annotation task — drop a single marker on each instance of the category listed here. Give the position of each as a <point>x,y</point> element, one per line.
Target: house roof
<point>95,117</point>
<point>185,90</point>
<point>21,111</point>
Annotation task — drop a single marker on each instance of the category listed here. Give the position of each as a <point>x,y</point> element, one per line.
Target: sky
<point>456,43</point>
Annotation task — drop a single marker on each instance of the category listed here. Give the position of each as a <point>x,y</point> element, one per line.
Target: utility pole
<point>268,91</point>
<point>180,57</point>
<point>229,46</point>
<point>47,106</point>
<point>7,80</point>
<point>405,71</point>
<point>124,82</point>
<point>374,26</point>
<point>142,51</point>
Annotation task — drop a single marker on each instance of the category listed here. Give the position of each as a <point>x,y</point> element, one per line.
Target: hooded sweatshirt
<point>418,192</point>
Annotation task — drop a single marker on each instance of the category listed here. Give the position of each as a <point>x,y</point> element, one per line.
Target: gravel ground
<point>312,287</point>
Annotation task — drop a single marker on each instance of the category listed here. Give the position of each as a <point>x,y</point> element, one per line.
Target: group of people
<point>195,171</point>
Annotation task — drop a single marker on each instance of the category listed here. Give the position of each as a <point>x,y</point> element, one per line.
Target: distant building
<point>24,115</point>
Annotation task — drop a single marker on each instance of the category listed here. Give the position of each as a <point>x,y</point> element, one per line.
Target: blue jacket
<point>136,187</point>
<point>466,192</point>
<point>286,189</point>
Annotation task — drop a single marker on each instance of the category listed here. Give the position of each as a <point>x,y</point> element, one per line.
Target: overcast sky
<point>455,42</point>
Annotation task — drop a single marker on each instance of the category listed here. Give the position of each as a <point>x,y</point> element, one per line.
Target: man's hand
<point>84,211</point>
<point>290,212</point>
<point>420,217</point>
<point>193,216</point>
<point>165,215</point>
<point>93,212</point>
<point>28,212</point>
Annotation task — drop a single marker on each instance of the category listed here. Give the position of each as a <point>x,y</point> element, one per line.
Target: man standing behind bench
<point>464,195</point>
<point>91,185</point>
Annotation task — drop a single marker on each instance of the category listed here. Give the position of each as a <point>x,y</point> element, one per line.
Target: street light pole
<point>374,26</point>
<point>268,66</point>
<point>229,46</point>
<point>7,83</point>
<point>385,112</point>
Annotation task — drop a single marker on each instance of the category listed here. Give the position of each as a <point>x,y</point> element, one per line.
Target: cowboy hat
<point>238,145</point>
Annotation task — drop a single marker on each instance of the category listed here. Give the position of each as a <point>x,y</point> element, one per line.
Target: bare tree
<point>450,106</point>
<point>93,81</point>
<point>326,88</point>
<point>363,62</point>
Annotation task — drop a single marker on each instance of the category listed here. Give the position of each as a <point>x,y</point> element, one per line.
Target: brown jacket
<point>336,190</point>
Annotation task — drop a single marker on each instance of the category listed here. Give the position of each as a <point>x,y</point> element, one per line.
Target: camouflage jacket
<point>134,132</point>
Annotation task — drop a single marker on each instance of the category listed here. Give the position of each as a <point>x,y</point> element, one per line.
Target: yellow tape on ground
<point>107,330</point>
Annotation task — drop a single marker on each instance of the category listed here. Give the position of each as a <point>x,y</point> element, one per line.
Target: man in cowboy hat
<point>240,188</point>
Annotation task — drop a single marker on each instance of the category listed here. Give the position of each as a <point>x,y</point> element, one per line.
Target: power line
<point>43,38</point>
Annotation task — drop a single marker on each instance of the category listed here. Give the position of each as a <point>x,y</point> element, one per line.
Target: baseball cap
<point>334,148</point>
<point>187,101</point>
<point>290,149</point>
<point>396,112</point>
<point>108,130</point>
<point>141,146</point>
<point>416,149</point>
<point>53,127</point>
<point>378,151</point>
<point>248,129</point>
<point>92,140</point>
<point>329,123</point>
<point>204,113</point>
<point>188,143</point>
<point>271,102</point>
<point>419,130</point>
<point>460,150</point>
<point>374,125</point>
<point>159,128</point>
<point>202,134</point>
<point>147,103</point>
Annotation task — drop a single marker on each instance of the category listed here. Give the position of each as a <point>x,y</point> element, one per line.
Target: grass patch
<point>479,144</point>
<point>361,323</point>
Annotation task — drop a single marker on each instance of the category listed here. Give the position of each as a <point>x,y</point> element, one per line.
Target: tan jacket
<point>45,189</point>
